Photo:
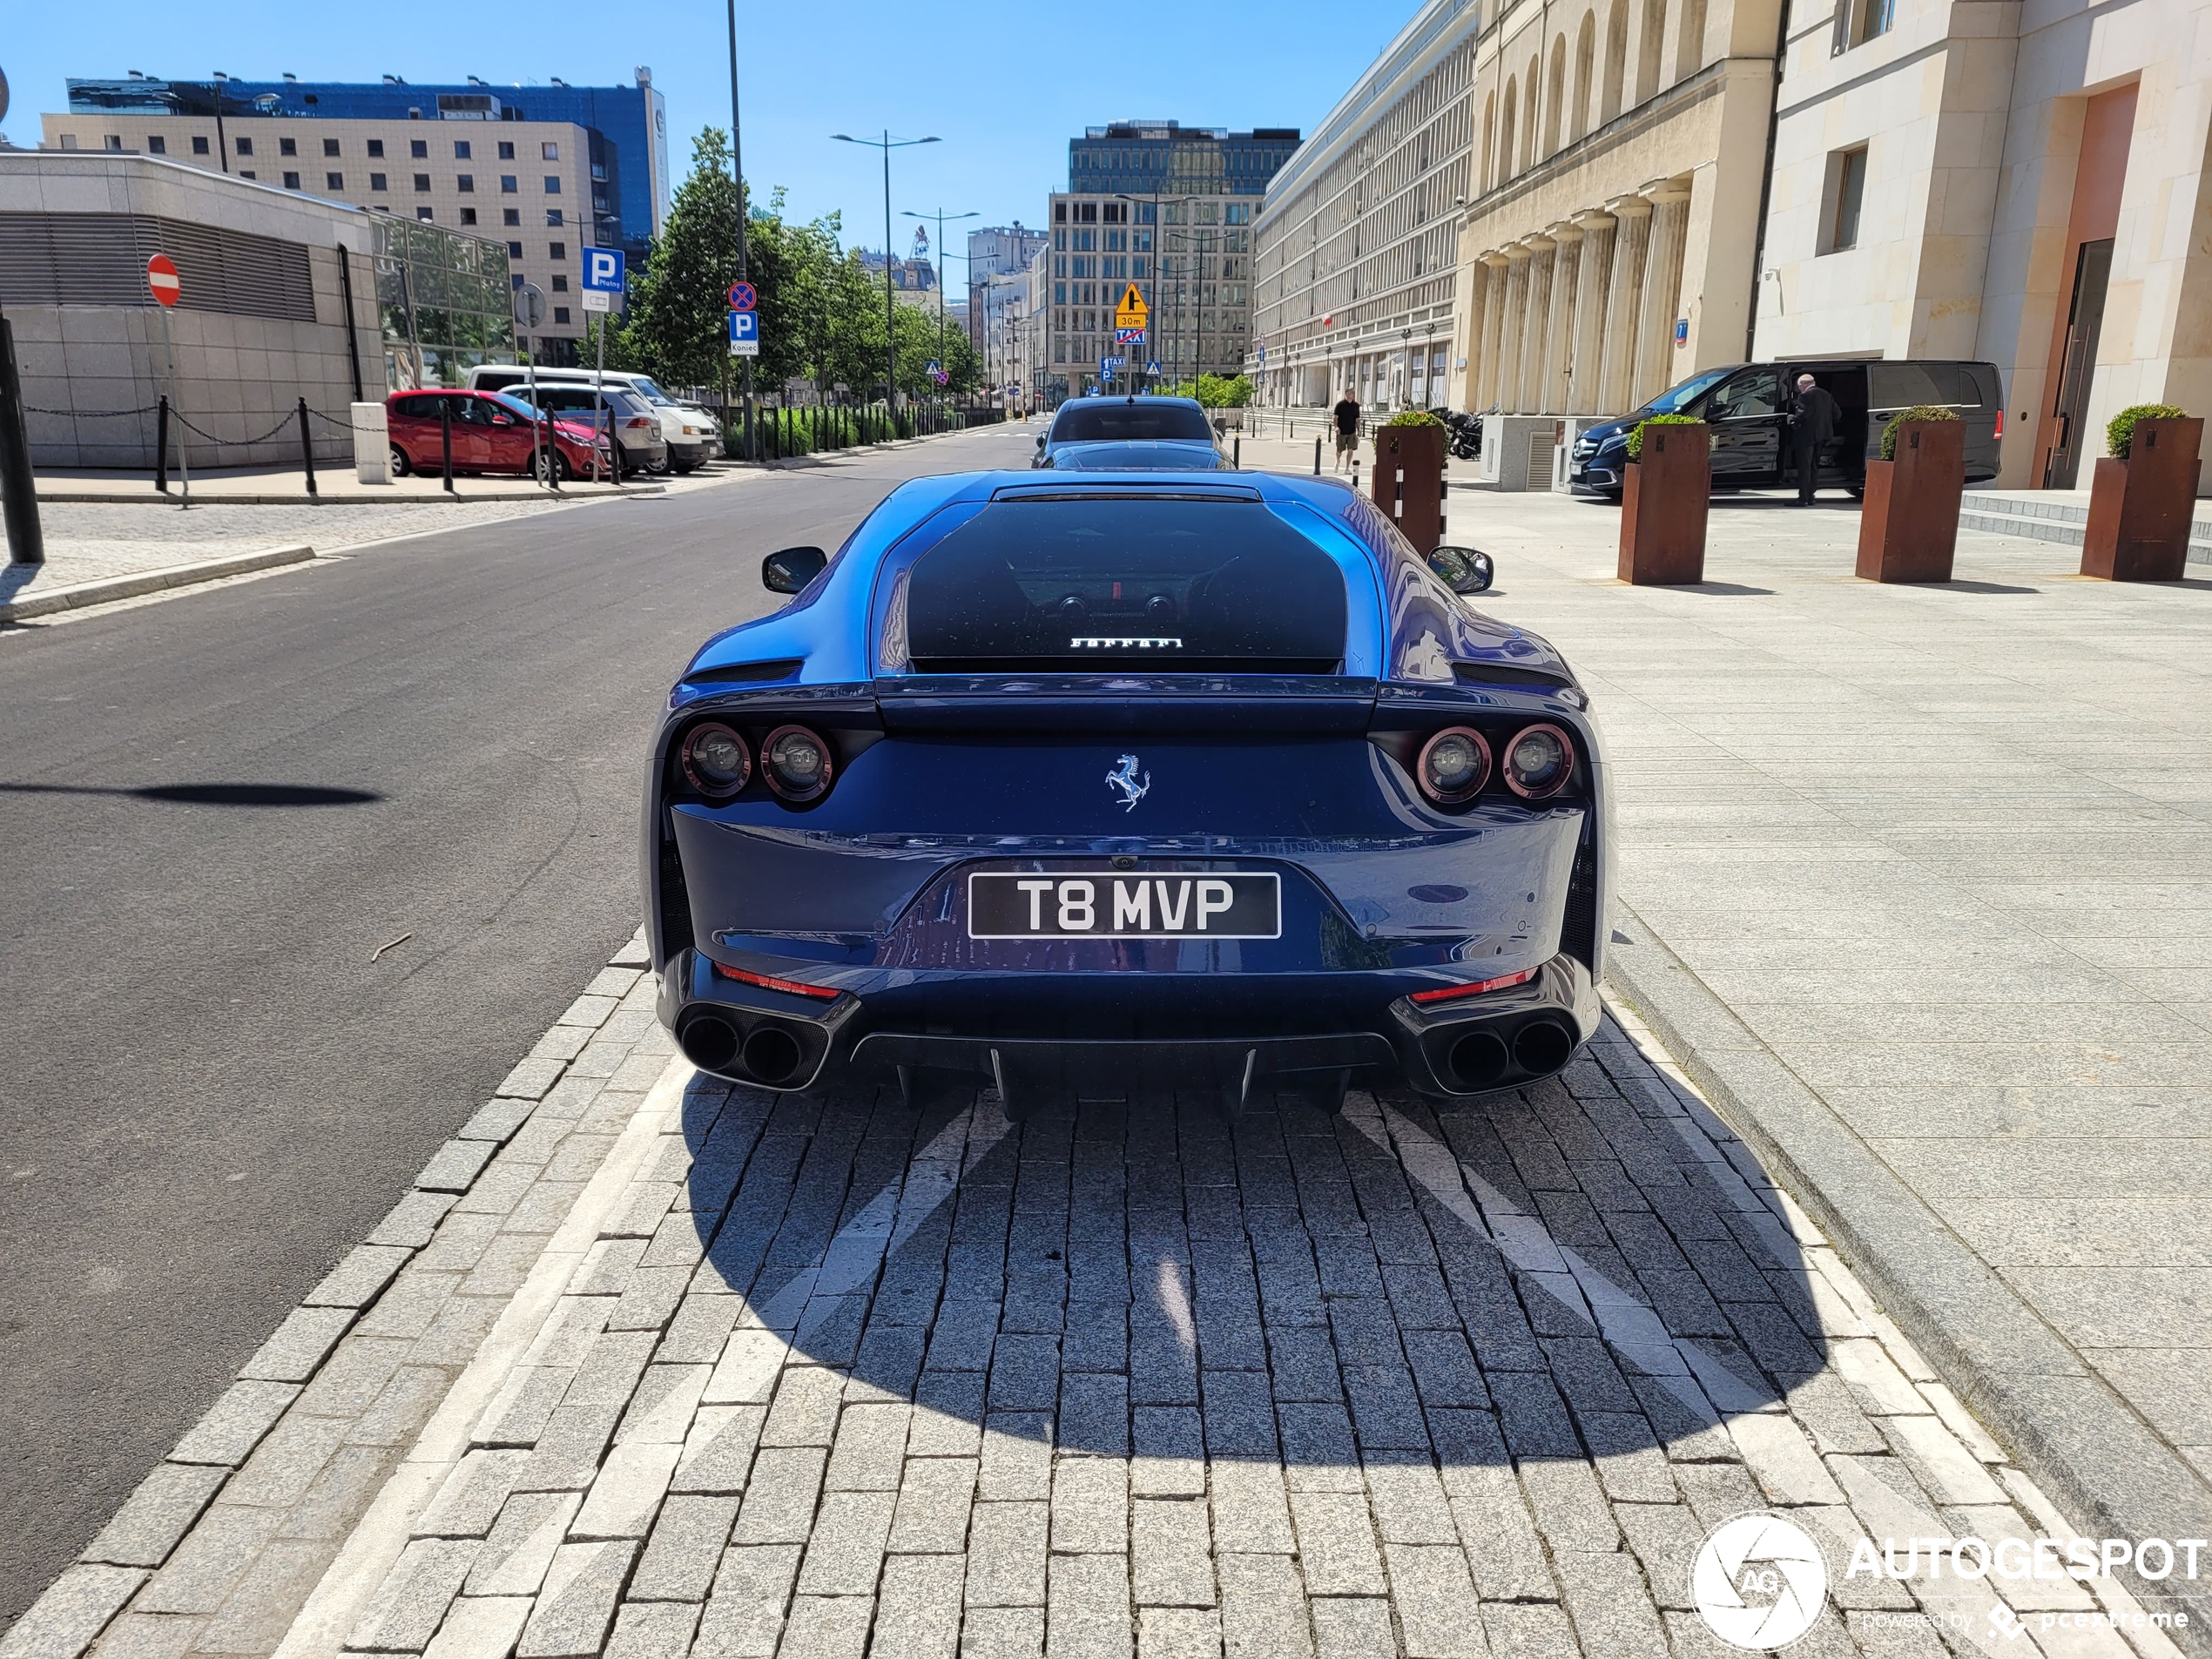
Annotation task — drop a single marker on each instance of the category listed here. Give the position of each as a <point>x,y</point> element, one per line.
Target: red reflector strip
<point>1447,993</point>
<point>770,982</point>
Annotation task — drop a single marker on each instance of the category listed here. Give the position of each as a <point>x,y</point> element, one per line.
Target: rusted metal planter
<point>1908,529</point>
<point>1408,484</point>
<point>1662,507</point>
<point>2139,508</point>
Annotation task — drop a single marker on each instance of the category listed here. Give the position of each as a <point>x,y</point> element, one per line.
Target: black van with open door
<point>1746,406</point>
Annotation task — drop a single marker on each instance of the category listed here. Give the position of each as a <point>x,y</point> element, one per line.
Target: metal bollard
<point>161,446</point>
<point>306,450</point>
<point>1236,452</point>
<point>445,441</point>
<point>1317,458</point>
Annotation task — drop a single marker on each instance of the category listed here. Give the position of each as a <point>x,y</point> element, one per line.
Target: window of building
<point>376,181</point>
<point>511,216</point>
<point>419,148</point>
<point>467,216</point>
<point>245,172</point>
<point>200,146</point>
<point>466,183</point>
<point>560,313</point>
<point>330,147</point>
<point>1087,211</point>
<point>1862,21</point>
<point>291,181</point>
<point>556,250</point>
<point>550,151</point>
<point>422,212</point>
<point>288,146</point>
<point>560,282</point>
<point>376,149</point>
<point>333,181</point>
<point>552,184</point>
<point>246,146</point>
<point>157,145</point>
<point>1060,212</point>
<point>460,149</point>
<point>518,280</point>
<point>514,250</point>
<point>553,217</point>
<point>509,185</point>
<point>1846,189</point>
<point>422,183</point>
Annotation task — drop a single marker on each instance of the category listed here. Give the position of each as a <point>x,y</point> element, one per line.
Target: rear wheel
<point>401,465</point>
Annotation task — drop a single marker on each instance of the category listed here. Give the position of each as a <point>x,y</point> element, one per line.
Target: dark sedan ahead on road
<point>1130,433</point>
<point>1191,778</point>
<point>1747,405</point>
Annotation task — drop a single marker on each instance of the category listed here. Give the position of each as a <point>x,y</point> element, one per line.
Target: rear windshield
<point>1087,422</point>
<point>1170,586</point>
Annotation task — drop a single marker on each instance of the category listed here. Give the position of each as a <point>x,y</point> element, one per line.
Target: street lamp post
<point>886,144</point>
<point>941,216</point>
<point>736,167</point>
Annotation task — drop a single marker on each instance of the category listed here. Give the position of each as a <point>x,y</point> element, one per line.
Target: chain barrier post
<point>19,489</point>
<point>445,439</point>
<point>161,445</point>
<point>306,450</point>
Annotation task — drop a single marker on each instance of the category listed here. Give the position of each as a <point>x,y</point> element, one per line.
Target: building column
<point>1494,314</point>
<point>1463,359</point>
<point>1558,331</point>
<point>1592,286</point>
<point>1661,289</point>
<point>1543,256</point>
<point>1624,291</point>
<point>1509,327</point>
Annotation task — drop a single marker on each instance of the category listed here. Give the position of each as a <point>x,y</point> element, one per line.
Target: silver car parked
<point>637,425</point>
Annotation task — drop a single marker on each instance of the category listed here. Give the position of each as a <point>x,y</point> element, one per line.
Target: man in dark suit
<point>1812,423</point>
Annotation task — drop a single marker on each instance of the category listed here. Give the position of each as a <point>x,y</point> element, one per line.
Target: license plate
<point>1124,907</point>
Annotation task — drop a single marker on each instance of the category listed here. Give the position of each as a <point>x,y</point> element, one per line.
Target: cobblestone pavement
<point>649,1365</point>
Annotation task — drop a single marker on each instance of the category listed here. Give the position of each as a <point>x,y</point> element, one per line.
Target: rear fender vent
<point>1578,931</point>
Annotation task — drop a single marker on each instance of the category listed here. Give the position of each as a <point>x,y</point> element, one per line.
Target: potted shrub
<point>1908,529</point>
<point>2142,496</point>
<point>1408,484</point>
<point>1664,500</point>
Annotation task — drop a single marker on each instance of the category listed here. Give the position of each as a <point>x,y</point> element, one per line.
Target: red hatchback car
<point>491,433</point>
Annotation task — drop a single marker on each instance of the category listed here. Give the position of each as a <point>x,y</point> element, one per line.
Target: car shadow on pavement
<point>212,794</point>
<point>1557,1274</point>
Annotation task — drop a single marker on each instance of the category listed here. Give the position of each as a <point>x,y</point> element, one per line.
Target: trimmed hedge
<point>1413,417</point>
<point>1917,412</point>
<point>2120,432</point>
<point>1636,437</point>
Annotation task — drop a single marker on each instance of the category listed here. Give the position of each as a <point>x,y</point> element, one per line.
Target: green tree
<point>676,329</point>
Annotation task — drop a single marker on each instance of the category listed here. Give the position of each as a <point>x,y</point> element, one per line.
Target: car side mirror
<point>1040,440</point>
<point>503,420</point>
<point>1463,569</point>
<point>790,570</point>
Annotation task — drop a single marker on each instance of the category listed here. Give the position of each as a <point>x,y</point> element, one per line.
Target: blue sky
<point>1004,90</point>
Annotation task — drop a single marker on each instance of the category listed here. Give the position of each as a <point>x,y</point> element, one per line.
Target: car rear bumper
<point>1058,1032</point>
<point>689,455</point>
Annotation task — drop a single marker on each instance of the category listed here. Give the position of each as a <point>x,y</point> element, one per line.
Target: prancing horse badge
<point>1124,777</point>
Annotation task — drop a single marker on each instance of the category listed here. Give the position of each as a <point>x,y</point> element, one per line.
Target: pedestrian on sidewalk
<point>1346,415</point>
<point>1812,423</point>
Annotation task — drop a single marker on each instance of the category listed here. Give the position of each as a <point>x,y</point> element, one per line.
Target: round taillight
<point>796,762</point>
<point>1538,762</point>
<point>1455,764</point>
<point>716,760</point>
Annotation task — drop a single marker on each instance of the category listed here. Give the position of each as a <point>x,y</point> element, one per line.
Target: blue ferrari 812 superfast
<point>1206,781</point>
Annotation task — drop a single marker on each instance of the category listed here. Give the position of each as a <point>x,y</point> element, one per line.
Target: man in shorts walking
<point>1346,416</point>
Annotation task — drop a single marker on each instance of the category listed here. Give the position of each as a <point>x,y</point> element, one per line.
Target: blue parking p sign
<point>603,270</point>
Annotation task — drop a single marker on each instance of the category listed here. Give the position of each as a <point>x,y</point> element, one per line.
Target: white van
<point>689,431</point>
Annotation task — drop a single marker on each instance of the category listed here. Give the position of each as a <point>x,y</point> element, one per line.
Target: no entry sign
<point>161,277</point>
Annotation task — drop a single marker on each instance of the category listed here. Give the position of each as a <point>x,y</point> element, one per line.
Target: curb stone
<point>107,588</point>
<point>2071,1433</point>
<point>335,1365</point>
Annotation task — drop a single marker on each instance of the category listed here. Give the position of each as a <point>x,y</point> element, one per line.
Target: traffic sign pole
<point>167,292</point>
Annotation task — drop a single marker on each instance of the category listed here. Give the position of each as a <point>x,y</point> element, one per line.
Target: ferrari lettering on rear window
<point>1240,905</point>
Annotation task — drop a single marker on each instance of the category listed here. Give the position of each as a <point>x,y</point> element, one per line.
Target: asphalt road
<point>210,1093</point>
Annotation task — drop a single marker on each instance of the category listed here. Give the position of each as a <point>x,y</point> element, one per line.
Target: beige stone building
<point>526,182</point>
<point>2028,185</point>
<point>1608,250</point>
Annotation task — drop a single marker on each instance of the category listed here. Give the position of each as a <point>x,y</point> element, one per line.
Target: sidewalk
<point>1918,874</point>
<point>284,486</point>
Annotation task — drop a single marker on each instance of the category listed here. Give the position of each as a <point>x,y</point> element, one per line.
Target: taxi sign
<point>1128,336</point>
<point>1132,312</point>
<point>161,277</point>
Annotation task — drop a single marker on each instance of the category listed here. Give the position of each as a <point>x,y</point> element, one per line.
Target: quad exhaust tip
<point>770,1053</point>
<point>1541,1047</point>
<point>708,1042</point>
